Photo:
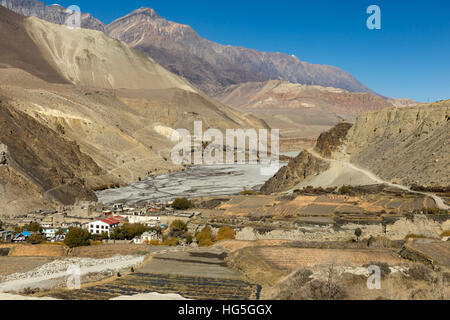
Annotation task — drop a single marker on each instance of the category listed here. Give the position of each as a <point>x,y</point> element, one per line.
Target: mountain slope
<point>117,104</point>
<point>146,30</point>
<point>90,58</point>
<point>17,50</point>
<point>406,145</point>
<point>300,111</point>
<point>54,13</point>
<point>49,168</point>
<point>397,146</point>
<point>208,65</point>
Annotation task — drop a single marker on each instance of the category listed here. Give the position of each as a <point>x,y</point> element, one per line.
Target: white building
<point>49,232</point>
<point>148,221</point>
<point>102,226</point>
<point>146,237</point>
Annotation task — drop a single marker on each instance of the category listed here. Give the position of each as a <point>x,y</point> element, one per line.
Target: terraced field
<point>438,251</point>
<point>199,288</point>
<point>194,274</point>
<point>266,265</point>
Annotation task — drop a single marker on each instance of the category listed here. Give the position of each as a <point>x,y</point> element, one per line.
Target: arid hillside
<point>208,65</point>
<point>397,146</point>
<point>40,167</point>
<point>406,145</point>
<point>300,111</point>
<point>119,106</point>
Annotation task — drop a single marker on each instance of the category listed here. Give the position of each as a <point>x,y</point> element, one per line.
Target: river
<point>196,181</point>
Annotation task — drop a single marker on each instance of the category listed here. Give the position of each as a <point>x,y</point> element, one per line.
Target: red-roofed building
<point>102,226</point>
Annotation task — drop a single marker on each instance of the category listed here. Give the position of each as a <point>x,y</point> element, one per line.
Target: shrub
<point>347,190</point>
<point>205,237</point>
<point>155,242</point>
<point>178,225</point>
<point>99,237</point>
<point>205,243</point>
<point>77,237</point>
<point>289,289</point>
<point>445,233</point>
<point>358,233</point>
<point>36,238</point>
<point>225,233</point>
<point>182,204</point>
<point>431,211</point>
<point>420,272</point>
<point>414,236</point>
<point>171,242</point>
<point>188,237</point>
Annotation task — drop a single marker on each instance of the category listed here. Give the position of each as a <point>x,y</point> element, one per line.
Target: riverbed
<point>196,181</point>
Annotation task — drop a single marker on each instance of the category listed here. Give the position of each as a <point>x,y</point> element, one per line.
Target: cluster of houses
<point>96,222</point>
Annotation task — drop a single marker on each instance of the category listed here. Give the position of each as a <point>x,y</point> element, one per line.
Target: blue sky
<point>408,57</point>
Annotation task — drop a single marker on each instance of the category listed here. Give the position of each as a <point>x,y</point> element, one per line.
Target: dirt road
<point>346,163</point>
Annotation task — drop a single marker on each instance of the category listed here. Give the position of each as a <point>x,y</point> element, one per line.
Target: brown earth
<point>10,265</point>
<point>17,50</point>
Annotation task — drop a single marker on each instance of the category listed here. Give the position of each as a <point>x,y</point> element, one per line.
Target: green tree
<point>128,231</point>
<point>1,225</point>
<point>77,237</point>
<point>33,227</point>
<point>182,204</point>
<point>358,233</point>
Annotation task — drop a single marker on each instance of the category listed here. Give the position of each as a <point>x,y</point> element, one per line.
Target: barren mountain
<point>54,13</point>
<point>301,111</point>
<point>117,104</point>
<point>208,65</point>
<point>179,48</point>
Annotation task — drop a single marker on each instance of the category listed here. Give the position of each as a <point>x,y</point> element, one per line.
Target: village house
<point>21,237</point>
<point>103,226</point>
<point>146,237</point>
<point>5,236</point>
<point>148,221</point>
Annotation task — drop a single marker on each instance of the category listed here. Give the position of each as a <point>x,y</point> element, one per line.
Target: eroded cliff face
<point>41,168</point>
<point>407,145</point>
<point>298,169</point>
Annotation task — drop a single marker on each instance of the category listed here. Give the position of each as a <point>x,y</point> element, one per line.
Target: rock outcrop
<point>404,145</point>
<point>298,169</point>
<point>331,140</point>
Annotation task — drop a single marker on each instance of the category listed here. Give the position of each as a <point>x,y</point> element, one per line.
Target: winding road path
<point>345,162</point>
